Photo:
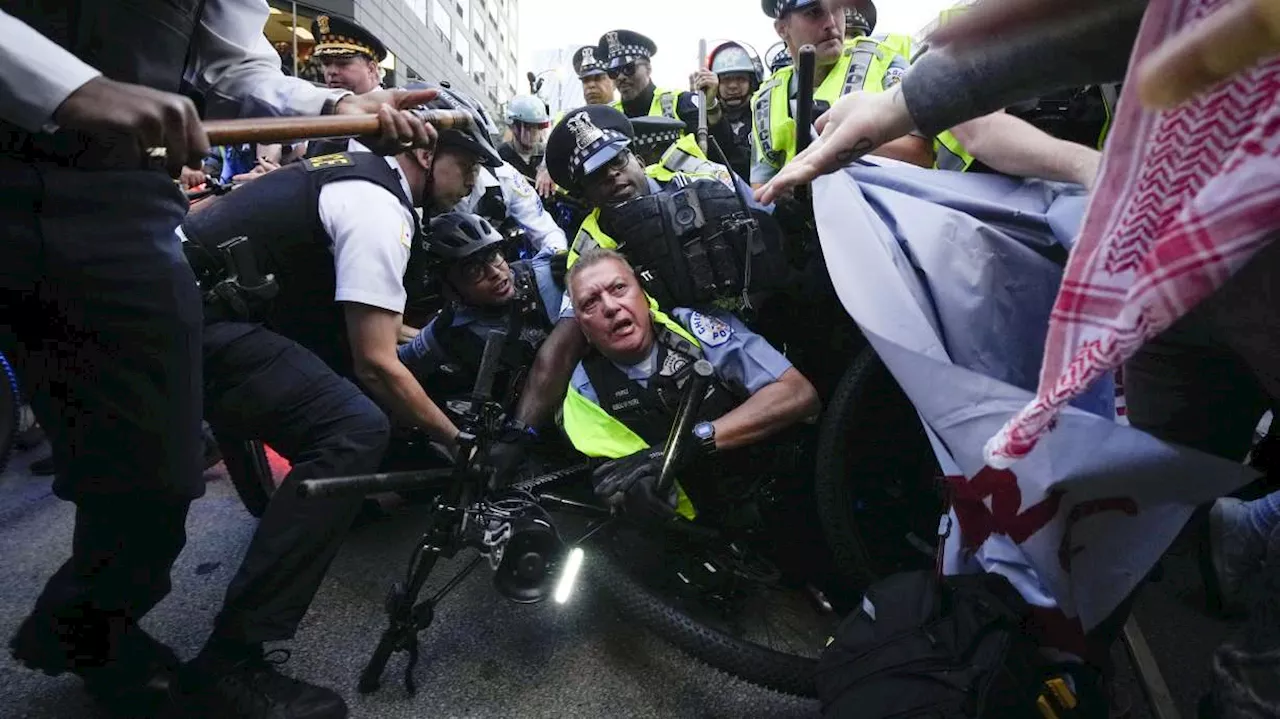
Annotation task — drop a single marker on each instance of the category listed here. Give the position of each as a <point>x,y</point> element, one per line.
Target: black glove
<point>559,265</point>
<point>632,481</point>
<point>508,453</point>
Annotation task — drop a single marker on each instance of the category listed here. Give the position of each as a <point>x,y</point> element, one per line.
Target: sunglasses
<point>629,70</point>
<point>474,269</point>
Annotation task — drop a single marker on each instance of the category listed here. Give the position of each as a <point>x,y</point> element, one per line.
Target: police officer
<point>98,307</point>
<point>527,117</point>
<point>741,73</point>
<point>588,153</point>
<point>349,55</point>
<point>624,394</point>
<point>841,66</point>
<point>626,55</point>
<point>597,85</point>
<point>337,234</point>
<point>485,292</point>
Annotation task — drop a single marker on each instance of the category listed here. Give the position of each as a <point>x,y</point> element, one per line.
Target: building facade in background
<point>473,44</point>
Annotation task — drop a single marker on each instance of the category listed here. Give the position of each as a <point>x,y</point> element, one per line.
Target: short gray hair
<point>595,256</point>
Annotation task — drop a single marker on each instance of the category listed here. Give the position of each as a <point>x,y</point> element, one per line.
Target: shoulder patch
<point>893,76</point>
<point>337,159</point>
<point>710,331</point>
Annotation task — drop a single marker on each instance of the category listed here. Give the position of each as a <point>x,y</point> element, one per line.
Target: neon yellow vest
<point>663,105</point>
<point>773,131</point>
<point>683,158</point>
<point>595,433</point>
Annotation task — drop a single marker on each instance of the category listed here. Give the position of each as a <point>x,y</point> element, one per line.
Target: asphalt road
<point>484,656</point>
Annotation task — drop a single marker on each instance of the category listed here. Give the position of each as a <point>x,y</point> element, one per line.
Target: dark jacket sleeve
<point>945,87</point>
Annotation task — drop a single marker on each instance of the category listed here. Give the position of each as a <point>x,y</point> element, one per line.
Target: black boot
<point>125,669</point>
<point>242,683</point>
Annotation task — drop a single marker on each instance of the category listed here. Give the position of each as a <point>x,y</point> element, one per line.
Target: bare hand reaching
<point>544,184</point>
<point>854,126</point>
<point>155,118</point>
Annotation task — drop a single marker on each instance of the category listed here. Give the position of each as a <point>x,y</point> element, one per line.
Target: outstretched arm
<point>1016,147</point>
<point>770,410</point>
<point>549,377</point>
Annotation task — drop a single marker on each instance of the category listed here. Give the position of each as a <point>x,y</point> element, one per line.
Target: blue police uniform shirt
<point>743,361</point>
<point>425,354</point>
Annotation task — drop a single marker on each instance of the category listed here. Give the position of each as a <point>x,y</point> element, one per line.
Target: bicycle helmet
<point>527,109</point>
<point>455,236</point>
<point>477,139</point>
<point>736,57</point>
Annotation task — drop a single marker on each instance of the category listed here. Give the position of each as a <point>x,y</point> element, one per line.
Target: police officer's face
<point>357,73</point>
<point>612,311</point>
<point>619,180</point>
<point>483,280</point>
<point>813,26</point>
<point>597,89</point>
<point>631,79</point>
<point>453,175</point>
<point>735,89</point>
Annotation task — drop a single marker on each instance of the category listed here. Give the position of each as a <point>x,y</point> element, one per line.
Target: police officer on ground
<point>624,394</point>
<point>838,64</point>
<point>741,73</point>
<point>339,234</point>
<point>485,292</point>
<point>349,55</point>
<point>589,154</point>
<point>107,337</point>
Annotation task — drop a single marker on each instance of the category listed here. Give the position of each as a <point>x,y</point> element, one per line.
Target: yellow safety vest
<point>663,105</point>
<point>596,433</point>
<point>683,159</point>
<point>862,66</point>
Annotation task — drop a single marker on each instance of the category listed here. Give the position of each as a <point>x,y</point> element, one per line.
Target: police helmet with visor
<point>731,57</point>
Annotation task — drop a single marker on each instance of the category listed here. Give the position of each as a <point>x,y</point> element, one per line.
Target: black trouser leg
<point>100,313</point>
<point>262,385</point>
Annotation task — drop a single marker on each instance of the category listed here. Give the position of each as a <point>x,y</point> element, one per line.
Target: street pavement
<point>484,656</point>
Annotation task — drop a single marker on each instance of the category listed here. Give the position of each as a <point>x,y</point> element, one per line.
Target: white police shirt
<point>523,205</point>
<point>371,233</point>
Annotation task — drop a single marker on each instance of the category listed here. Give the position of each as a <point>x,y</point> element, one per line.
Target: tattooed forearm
<point>860,148</point>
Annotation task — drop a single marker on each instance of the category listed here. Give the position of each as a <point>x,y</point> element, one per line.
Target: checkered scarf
<point>1185,197</point>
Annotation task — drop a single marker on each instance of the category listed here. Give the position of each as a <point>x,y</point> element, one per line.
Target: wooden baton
<point>280,129</point>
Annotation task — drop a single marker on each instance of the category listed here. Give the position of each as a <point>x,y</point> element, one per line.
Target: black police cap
<point>620,47</point>
<point>337,37</point>
<point>778,8</point>
<point>586,63</point>
<point>586,139</point>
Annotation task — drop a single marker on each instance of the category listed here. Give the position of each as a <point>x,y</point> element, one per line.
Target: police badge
<point>322,22</point>
<point>615,46</point>
<point>584,130</point>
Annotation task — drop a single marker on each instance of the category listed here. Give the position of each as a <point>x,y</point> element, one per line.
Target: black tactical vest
<point>650,411</point>
<point>527,327</point>
<point>144,42</point>
<point>279,214</point>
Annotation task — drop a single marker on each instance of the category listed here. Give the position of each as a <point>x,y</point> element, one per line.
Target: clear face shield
<point>531,138</point>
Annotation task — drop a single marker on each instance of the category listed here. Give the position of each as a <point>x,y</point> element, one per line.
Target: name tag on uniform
<point>337,159</point>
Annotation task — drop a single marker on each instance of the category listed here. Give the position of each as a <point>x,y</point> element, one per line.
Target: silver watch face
<point>703,430</point>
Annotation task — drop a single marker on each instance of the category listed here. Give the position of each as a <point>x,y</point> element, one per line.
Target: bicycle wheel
<point>750,622</point>
<point>877,482</point>
<point>9,408</point>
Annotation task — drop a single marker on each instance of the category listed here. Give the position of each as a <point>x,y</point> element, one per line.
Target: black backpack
<point>955,648</point>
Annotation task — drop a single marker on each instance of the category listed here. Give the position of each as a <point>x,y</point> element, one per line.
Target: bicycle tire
<point>785,673</point>
<point>871,439</point>
<point>10,408</point>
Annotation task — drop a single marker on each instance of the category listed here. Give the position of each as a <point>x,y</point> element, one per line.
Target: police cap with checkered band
<point>583,141</point>
<point>621,47</point>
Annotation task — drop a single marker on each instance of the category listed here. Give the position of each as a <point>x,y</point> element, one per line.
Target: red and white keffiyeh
<point>1185,198</point>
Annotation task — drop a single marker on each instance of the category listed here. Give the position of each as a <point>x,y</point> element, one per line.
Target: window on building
<point>492,7</point>
<point>477,67</point>
<point>461,48</point>
<point>490,46</point>
<point>441,20</point>
<point>419,8</point>
<point>464,11</point>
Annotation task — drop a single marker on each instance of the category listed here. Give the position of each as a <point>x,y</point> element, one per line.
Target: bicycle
<point>702,587</point>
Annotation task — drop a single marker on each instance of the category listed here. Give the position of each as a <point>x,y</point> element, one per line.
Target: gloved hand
<point>559,265</point>
<point>632,482</point>
<point>508,453</point>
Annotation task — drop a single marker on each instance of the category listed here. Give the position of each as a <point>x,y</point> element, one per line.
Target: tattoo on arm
<point>860,148</point>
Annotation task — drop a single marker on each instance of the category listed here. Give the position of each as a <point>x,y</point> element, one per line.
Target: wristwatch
<point>705,433</point>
